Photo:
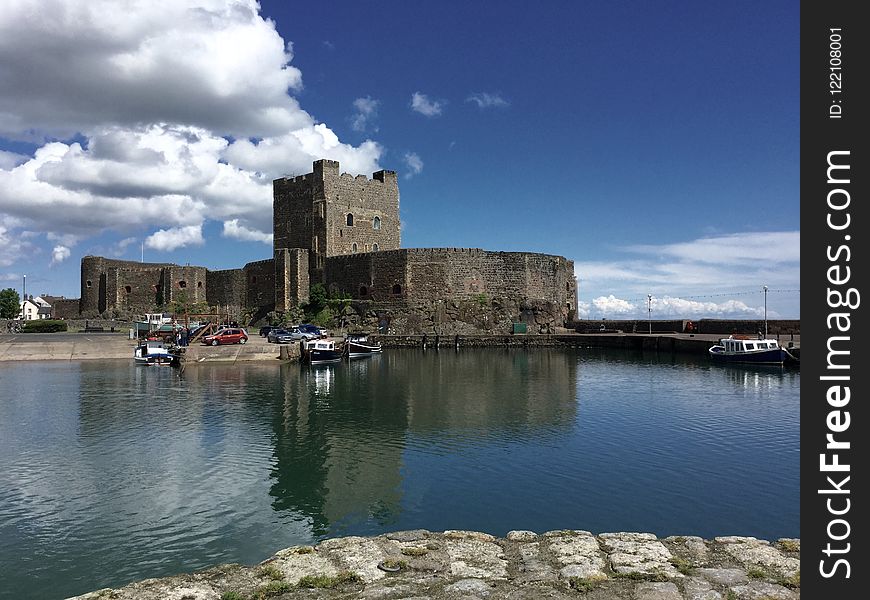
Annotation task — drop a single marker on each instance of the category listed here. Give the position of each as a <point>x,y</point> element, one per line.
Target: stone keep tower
<point>330,214</point>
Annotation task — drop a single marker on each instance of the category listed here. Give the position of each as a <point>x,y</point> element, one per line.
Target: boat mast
<point>765,312</point>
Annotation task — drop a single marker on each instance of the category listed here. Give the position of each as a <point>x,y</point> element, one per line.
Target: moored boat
<point>316,352</point>
<point>357,345</point>
<point>761,351</point>
<point>150,352</point>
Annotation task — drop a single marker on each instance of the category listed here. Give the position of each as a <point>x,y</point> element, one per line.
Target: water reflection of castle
<point>342,432</point>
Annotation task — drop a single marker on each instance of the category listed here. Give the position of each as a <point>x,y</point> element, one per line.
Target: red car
<point>226,336</point>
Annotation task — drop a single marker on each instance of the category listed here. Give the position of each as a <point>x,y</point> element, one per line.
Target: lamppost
<point>765,312</point>
<point>649,311</point>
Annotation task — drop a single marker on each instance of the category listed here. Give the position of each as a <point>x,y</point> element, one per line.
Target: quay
<point>523,565</point>
<point>91,346</point>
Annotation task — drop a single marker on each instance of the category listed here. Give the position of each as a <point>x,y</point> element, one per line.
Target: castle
<point>343,231</point>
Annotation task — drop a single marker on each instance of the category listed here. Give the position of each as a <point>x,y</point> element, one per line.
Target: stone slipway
<point>421,565</point>
<point>109,346</point>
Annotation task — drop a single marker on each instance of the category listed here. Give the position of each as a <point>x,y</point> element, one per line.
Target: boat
<point>318,352</point>
<point>760,351</point>
<point>151,352</point>
<point>357,345</point>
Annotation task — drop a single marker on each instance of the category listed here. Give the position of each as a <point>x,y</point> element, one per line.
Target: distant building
<point>344,231</point>
<point>31,309</point>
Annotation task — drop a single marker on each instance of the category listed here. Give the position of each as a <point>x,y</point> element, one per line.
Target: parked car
<point>288,336</point>
<point>264,331</point>
<point>313,330</point>
<point>226,336</point>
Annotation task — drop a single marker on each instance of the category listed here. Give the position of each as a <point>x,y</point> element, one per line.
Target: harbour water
<point>111,472</point>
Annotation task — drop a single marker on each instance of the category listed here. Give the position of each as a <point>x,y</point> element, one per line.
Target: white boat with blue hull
<point>318,352</point>
<point>154,353</point>
<point>761,351</point>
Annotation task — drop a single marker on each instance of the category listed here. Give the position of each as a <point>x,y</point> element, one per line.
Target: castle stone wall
<point>260,285</point>
<point>291,278</point>
<point>184,284</point>
<point>456,290</point>
<point>226,288</point>
<point>112,285</point>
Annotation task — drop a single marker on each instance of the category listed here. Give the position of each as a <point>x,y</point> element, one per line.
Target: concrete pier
<point>524,565</point>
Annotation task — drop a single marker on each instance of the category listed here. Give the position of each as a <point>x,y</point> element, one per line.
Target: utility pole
<point>649,311</point>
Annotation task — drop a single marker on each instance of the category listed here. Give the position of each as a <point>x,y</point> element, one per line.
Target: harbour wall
<point>523,565</point>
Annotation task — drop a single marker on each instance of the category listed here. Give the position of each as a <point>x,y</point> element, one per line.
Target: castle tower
<point>329,214</point>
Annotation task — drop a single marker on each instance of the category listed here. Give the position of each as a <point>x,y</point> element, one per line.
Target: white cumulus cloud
<point>233,230</point>
<point>167,240</point>
<point>59,254</point>
<point>162,114</point>
<point>422,104</point>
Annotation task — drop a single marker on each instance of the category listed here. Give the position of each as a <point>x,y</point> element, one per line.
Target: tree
<point>9,304</point>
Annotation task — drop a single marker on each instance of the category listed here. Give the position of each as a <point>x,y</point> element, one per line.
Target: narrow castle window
<point>397,290</point>
<point>376,223</point>
<point>349,219</point>
<point>199,284</point>
<point>88,283</point>
<point>374,247</point>
<point>354,247</point>
<point>182,284</point>
<point>253,279</point>
<point>128,289</point>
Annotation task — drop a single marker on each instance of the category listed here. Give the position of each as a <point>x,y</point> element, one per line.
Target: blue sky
<point>656,144</point>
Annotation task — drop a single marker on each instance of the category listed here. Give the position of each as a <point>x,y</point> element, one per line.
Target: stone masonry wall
<point>184,283</point>
<point>104,284</point>
<point>455,291</point>
<point>260,285</point>
<point>373,207</point>
<point>291,278</point>
<point>226,288</point>
<point>311,212</point>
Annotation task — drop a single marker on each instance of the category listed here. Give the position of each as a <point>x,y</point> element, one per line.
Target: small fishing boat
<point>317,352</point>
<point>760,351</point>
<point>151,352</point>
<point>357,345</point>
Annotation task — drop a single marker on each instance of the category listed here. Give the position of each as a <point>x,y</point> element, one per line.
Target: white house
<point>34,308</point>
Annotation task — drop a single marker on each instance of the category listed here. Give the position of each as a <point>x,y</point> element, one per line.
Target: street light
<point>765,312</point>
<point>649,311</point>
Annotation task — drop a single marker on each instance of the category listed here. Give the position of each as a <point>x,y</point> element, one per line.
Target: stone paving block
<point>692,546</point>
<point>295,566</point>
<point>700,589</point>
<point>579,549</point>
<point>724,576</point>
<point>475,556</point>
<point>657,591</point>
<point>638,553</point>
<point>413,535</point>
<point>522,536</point>
<point>473,587</point>
<point>532,568</point>
<point>356,554</point>
<point>751,551</point>
<point>762,590</point>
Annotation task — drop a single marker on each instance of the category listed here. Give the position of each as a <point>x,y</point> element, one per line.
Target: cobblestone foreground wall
<point>421,565</point>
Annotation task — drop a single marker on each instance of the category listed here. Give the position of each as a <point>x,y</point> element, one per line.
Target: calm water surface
<point>111,472</point>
